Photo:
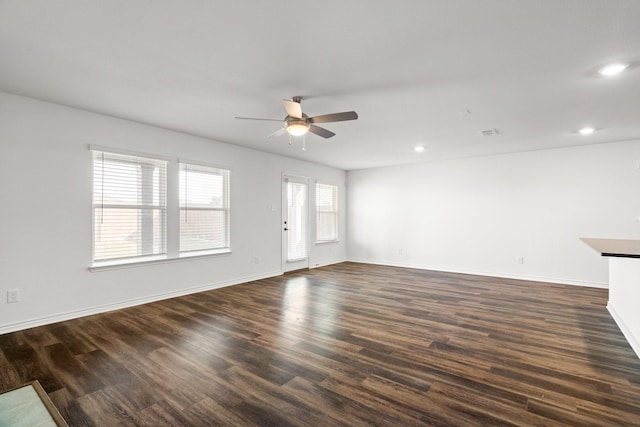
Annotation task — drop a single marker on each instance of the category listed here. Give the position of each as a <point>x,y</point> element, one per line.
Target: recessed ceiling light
<point>613,69</point>
<point>418,149</point>
<point>586,131</point>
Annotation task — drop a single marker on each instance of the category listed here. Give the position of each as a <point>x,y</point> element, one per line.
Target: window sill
<point>113,265</point>
<point>197,254</point>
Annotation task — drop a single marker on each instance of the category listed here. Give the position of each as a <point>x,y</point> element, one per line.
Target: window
<point>326,213</point>
<point>135,221</point>
<point>204,208</point>
<point>129,207</point>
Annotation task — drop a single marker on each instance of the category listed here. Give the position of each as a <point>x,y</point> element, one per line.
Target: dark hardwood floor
<point>344,345</point>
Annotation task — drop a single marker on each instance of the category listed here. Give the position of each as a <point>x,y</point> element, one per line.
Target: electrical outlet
<point>13,295</point>
<point>520,260</point>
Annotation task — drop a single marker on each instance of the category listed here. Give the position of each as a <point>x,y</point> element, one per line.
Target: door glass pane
<point>296,221</point>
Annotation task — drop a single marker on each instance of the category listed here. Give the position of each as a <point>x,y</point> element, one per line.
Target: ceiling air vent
<point>489,132</point>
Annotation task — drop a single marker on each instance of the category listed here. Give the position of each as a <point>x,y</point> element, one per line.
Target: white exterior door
<point>295,223</point>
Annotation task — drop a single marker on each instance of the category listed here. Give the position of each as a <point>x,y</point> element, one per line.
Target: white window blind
<point>296,221</point>
<point>326,213</point>
<point>204,208</point>
<point>129,206</point>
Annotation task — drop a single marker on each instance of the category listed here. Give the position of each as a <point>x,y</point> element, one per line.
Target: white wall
<point>478,215</point>
<point>45,214</point>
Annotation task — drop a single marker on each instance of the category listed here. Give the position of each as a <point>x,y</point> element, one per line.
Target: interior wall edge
<point>47,320</point>
<point>633,341</point>
<point>554,280</point>
<point>327,263</point>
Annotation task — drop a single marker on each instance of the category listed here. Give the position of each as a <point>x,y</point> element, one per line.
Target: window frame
<point>171,214</point>
<point>162,206</point>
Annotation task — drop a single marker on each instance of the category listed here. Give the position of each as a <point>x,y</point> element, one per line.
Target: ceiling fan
<point>297,123</point>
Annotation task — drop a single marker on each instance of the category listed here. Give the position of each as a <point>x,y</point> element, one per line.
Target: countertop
<point>615,247</point>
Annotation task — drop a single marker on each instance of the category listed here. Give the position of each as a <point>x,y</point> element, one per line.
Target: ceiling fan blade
<point>335,117</point>
<point>294,109</point>
<point>255,118</point>
<point>277,133</point>
<point>321,131</point>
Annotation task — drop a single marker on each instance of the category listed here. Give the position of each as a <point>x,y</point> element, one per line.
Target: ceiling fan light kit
<point>297,127</point>
<point>296,123</point>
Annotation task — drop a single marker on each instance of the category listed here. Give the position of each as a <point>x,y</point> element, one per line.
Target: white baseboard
<point>631,339</point>
<point>40,321</point>
<point>324,264</point>
<point>557,280</point>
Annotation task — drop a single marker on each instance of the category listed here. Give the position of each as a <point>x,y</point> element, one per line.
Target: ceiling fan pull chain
<point>289,139</point>
<point>304,143</point>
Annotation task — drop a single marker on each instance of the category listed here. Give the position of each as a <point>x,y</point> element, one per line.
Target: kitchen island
<point>624,284</point>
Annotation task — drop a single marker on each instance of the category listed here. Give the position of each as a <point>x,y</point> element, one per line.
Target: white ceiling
<point>410,68</point>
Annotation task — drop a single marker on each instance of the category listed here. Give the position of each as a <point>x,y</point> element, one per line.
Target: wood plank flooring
<point>345,345</point>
